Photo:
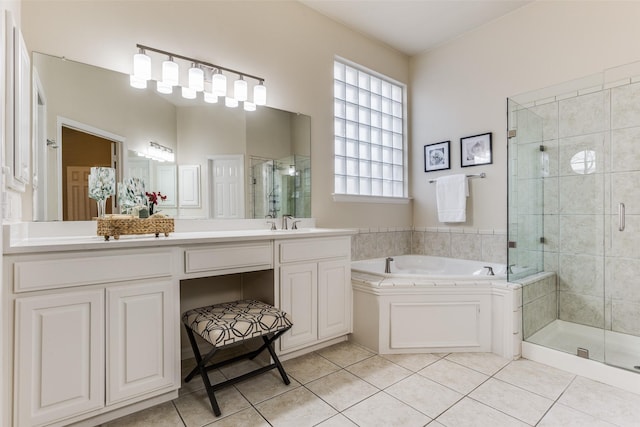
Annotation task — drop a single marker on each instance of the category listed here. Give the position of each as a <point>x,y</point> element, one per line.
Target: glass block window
<point>369,143</point>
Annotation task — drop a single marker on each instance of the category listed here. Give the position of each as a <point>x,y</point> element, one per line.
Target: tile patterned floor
<point>346,385</point>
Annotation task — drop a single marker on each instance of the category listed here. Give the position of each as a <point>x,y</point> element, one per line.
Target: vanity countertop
<point>17,240</point>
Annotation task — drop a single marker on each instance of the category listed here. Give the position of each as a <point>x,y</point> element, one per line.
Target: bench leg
<point>202,367</point>
<point>203,371</point>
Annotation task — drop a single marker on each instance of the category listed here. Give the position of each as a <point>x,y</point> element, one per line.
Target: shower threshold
<point>622,350</point>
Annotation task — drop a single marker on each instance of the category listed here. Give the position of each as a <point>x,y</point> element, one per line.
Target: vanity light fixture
<point>170,72</point>
<point>210,98</point>
<point>188,93</point>
<point>158,152</point>
<point>142,65</point>
<point>260,93</point>
<point>219,83</point>
<point>196,80</point>
<point>164,87</point>
<point>230,102</point>
<point>240,89</point>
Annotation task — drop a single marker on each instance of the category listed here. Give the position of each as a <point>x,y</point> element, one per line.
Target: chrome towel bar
<point>480,175</point>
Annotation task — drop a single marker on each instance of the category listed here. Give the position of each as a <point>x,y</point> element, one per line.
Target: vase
<point>102,205</point>
<point>151,209</point>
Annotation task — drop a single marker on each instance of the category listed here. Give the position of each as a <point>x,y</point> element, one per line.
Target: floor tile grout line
<point>411,372</point>
<point>184,423</point>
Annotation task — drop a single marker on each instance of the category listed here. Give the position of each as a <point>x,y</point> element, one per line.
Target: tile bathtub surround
<point>467,243</point>
<point>355,387</point>
<point>380,243</point>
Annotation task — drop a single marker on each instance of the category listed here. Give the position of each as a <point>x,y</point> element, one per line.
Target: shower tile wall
<point>581,221</point>
<point>539,302</point>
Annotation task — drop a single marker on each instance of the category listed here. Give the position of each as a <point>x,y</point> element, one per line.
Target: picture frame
<point>476,150</point>
<point>436,156</point>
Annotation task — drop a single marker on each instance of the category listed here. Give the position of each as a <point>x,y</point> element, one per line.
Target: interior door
<point>79,206</point>
<point>227,187</point>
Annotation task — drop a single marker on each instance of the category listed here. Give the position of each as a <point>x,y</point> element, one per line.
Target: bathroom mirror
<point>267,150</point>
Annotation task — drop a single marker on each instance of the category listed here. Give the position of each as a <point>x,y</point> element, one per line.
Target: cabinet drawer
<point>315,249</point>
<point>225,259</point>
<point>63,273</point>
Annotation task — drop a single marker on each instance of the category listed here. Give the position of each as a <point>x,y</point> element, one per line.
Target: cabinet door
<point>141,339</point>
<point>298,297</point>
<point>59,356</point>
<point>334,298</point>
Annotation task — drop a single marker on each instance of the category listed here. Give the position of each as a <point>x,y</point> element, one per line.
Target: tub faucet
<point>387,264</point>
<point>490,272</point>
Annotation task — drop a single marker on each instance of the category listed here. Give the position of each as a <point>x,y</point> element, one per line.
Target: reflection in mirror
<point>226,145</point>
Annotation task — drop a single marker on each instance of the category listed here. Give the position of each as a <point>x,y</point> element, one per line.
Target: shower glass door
<point>525,189</point>
<point>557,214</point>
<point>622,249</point>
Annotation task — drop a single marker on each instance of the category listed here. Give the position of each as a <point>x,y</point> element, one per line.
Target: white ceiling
<point>414,26</point>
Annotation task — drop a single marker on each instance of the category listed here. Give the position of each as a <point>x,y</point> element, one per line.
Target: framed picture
<point>436,156</point>
<point>476,150</point>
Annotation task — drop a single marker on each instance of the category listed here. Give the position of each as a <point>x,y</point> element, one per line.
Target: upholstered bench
<point>229,323</point>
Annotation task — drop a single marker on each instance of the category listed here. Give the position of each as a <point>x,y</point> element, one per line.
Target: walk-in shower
<point>280,187</point>
<point>574,215</point>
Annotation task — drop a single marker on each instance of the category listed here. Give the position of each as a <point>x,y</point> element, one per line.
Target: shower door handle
<point>621,216</point>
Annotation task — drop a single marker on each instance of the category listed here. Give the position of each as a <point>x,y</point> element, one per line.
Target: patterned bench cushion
<point>226,323</point>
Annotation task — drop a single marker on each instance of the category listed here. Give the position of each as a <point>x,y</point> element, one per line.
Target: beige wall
<point>288,44</point>
<point>461,88</point>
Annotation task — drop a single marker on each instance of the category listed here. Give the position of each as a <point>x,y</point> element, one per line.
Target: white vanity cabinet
<point>315,289</point>
<point>141,342</point>
<point>59,363</point>
<point>104,343</point>
<point>90,329</point>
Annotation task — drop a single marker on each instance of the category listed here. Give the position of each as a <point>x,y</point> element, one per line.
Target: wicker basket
<point>117,227</point>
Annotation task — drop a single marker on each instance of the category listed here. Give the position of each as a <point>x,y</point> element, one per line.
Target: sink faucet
<point>284,221</point>
<point>387,264</point>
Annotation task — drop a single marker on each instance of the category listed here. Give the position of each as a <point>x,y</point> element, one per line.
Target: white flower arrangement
<point>131,193</point>
<point>102,183</point>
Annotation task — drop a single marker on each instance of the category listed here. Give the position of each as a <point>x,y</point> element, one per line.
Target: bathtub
<point>430,268</point>
<point>434,305</point>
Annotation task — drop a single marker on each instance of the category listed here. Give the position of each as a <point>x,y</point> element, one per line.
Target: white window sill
<point>352,198</point>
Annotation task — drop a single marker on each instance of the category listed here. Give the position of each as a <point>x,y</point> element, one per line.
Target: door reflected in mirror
<point>249,164</point>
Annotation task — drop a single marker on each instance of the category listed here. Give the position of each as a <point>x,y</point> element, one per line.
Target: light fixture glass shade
<point>249,106</point>
<point>188,93</point>
<point>260,94</point>
<point>219,84</point>
<point>137,83</point>
<point>196,79</point>
<point>170,73</point>
<point>230,102</point>
<point>164,87</point>
<point>210,98</point>
<point>240,90</point>
<point>142,66</point>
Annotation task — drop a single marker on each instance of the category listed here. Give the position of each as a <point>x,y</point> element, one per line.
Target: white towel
<point>451,197</point>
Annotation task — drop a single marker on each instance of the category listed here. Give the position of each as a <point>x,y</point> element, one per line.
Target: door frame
<point>117,159</point>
